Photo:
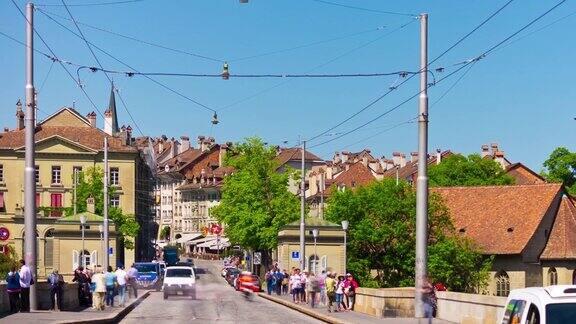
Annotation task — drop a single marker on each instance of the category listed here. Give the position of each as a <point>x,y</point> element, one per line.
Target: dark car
<point>231,275</point>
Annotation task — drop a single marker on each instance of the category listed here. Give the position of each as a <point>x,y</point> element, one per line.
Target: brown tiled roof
<point>523,175</point>
<point>90,137</point>
<point>562,240</point>
<point>357,175</point>
<point>221,171</point>
<point>289,154</point>
<point>500,219</point>
<point>411,168</point>
<point>183,158</point>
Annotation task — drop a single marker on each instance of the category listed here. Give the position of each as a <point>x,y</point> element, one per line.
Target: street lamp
<point>315,233</point>
<point>82,222</point>
<point>345,224</point>
<point>101,230</point>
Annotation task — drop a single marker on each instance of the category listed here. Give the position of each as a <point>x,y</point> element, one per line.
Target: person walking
<point>99,281</point>
<point>269,281</point>
<point>13,288</point>
<point>111,282</point>
<point>133,285</point>
<point>121,279</point>
<point>314,290</point>
<point>303,287</point>
<point>295,284</point>
<point>82,280</point>
<point>322,285</point>
<point>285,282</point>
<point>429,299</point>
<point>330,284</point>
<point>340,306</point>
<point>25,281</point>
<point>350,291</point>
<point>279,278</point>
<point>56,282</point>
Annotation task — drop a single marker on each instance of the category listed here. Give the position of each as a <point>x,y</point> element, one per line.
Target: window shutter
<point>49,252</point>
<point>75,259</point>
<point>323,263</point>
<point>94,257</point>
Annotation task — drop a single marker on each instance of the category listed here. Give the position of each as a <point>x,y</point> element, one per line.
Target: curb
<point>302,309</point>
<point>115,318</point>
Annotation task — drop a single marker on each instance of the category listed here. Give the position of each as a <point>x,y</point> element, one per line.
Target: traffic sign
<point>257,257</point>
<point>110,251</point>
<point>295,255</point>
<point>4,234</point>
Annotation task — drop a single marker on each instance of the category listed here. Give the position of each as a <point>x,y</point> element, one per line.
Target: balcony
<point>54,212</point>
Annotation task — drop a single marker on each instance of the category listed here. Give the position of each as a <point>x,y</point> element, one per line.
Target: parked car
<point>179,279</point>
<point>225,270</point>
<point>149,275</point>
<point>247,281</point>
<point>231,275</point>
<point>541,305</point>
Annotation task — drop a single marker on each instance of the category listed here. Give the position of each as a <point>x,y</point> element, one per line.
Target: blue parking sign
<point>110,251</point>
<point>295,255</point>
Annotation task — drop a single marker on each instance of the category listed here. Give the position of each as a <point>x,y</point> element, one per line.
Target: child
<point>340,293</point>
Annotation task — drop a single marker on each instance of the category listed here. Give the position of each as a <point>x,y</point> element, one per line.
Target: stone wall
<point>70,296</point>
<point>470,308</point>
<point>385,302</point>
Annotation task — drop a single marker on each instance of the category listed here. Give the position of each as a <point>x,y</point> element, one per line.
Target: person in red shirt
<point>350,290</point>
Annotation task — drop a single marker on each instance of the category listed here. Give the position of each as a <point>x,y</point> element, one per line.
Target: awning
<point>188,237</point>
<point>202,240</point>
<point>213,244</point>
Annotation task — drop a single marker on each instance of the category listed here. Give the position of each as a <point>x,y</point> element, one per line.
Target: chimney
<point>345,156</point>
<point>201,142</point>
<point>438,156</point>
<point>108,122</point>
<point>499,157</point>
<point>485,150</point>
<point>184,144</point>
<point>336,158</point>
<point>19,116</point>
<point>174,147</point>
<point>494,148</point>
<point>6,129</point>
<point>396,157</point>
<point>90,205</point>
<point>128,135</point>
<point>222,153</point>
<point>92,119</point>
<point>160,146</point>
<point>413,156</point>
<point>402,160</point>
<point>365,161</point>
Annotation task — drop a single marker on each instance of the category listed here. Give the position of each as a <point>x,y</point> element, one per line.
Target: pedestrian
<point>25,281</point>
<point>278,278</point>
<point>350,290</point>
<point>303,287</point>
<point>340,306</point>
<point>121,278</point>
<point>82,280</point>
<point>330,284</point>
<point>285,282</point>
<point>269,281</point>
<point>428,298</point>
<point>322,285</point>
<point>13,288</point>
<point>133,285</point>
<point>295,284</point>
<point>99,282</point>
<point>56,282</point>
<point>314,290</point>
<point>111,282</point>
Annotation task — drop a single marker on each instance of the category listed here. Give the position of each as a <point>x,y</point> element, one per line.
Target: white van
<point>541,305</point>
<point>179,279</point>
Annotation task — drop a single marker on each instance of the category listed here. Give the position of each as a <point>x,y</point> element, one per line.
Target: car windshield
<point>233,272</point>
<point>145,267</point>
<point>179,273</point>
<point>560,313</point>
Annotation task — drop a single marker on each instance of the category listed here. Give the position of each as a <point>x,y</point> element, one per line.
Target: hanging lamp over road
<point>225,71</point>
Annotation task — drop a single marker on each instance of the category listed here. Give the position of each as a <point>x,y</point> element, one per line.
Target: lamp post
<point>101,230</point>
<point>345,224</point>
<point>315,233</point>
<point>82,225</point>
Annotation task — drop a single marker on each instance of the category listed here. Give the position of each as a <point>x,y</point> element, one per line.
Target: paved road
<point>216,302</point>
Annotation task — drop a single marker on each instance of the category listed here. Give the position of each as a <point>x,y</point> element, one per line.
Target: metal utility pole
<point>422,180</point>
<point>29,171</point>
<point>74,192</point>
<point>303,209</point>
<point>322,188</point>
<point>106,240</point>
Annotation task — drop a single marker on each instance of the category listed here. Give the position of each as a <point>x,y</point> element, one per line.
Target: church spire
<point>111,117</point>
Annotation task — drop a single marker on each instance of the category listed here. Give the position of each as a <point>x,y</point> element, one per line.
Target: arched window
<point>502,284</point>
<point>552,276</point>
<point>49,248</point>
<point>314,264</point>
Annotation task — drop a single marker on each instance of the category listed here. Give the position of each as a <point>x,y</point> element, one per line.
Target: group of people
<point>18,282</point>
<point>340,291</point>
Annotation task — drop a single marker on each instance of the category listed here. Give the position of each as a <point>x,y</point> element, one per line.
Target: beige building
<point>67,142</point>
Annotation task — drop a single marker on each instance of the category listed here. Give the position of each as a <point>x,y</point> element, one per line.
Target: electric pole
<point>29,171</point>
<point>422,180</point>
<point>303,209</point>
<point>106,240</point>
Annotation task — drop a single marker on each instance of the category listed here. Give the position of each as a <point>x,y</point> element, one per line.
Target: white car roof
<point>178,267</point>
<point>546,295</point>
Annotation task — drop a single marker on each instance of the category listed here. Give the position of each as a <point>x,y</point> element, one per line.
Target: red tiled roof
<point>90,137</point>
<point>523,175</point>
<point>357,175</point>
<point>562,239</point>
<point>182,158</point>
<point>289,154</point>
<point>500,219</point>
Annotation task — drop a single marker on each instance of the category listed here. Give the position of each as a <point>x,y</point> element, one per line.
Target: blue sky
<point>519,96</point>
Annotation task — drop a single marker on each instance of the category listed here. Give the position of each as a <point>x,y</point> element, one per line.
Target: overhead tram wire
<point>59,61</point>
<point>479,57</point>
<point>100,64</point>
<point>45,12</point>
<point>390,90</point>
<point>365,9</point>
<point>128,111</point>
<point>132,68</point>
<point>91,4</point>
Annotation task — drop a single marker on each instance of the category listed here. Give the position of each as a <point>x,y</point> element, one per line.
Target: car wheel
<point>165,296</point>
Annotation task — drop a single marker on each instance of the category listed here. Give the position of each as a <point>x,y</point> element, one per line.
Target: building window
<point>314,264</point>
<point>56,204</point>
<point>37,173</point>
<point>49,249</point>
<point>502,284</point>
<point>1,173</point>
<point>2,204</point>
<point>114,176</point>
<point>552,276</point>
<point>115,201</point>
<point>56,174</point>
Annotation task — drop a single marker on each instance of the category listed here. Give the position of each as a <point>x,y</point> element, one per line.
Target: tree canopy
<point>382,218</point>
<point>255,198</point>
<point>561,167</point>
<point>459,170</point>
<point>91,184</point>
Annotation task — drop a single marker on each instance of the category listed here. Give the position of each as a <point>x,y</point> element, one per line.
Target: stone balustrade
<point>69,296</point>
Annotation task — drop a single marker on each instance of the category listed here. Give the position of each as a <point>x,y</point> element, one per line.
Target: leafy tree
<point>91,184</point>
<point>7,261</point>
<point>561,167</point>
<point>382,218</point>
<point>458,170</point>
<point>165,233</point>
<point>255,198</point>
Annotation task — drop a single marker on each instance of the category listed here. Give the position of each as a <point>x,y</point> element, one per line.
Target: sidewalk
<point>87,315</point>
<point>322,314</point>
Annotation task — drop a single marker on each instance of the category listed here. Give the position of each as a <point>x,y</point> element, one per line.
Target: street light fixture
<point>82,225</point>
<point>315,233</point>
<point>345,224</point>
<point>101,230</point>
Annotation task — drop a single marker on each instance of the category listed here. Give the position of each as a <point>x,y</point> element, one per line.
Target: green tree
<point>255,198</point>
<point>7,261</point>
<point>561,167</point>
<point>382,220</point>
<point>458,170</point>
<point>165,233</point>
<point>91,184</point>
